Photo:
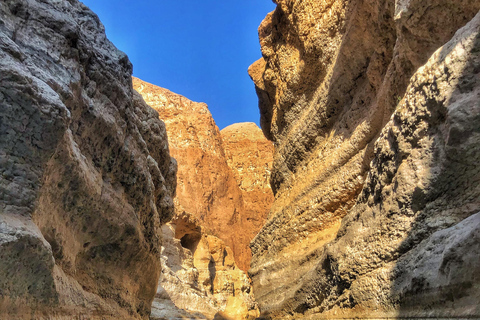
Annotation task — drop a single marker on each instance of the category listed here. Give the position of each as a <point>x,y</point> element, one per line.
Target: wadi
<point>357,197</point>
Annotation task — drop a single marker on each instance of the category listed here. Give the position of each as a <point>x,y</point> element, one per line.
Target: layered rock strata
<point>200,279</point>
<point>225,189</point>
<point>86,176</point>
<point>373,108</point>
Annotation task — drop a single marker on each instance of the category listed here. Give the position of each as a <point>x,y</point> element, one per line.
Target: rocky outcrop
<point>222,176</point>
<point>250,156</point>
<point>86,176</point>
<point>200,279</point>
<point>373,107</point>
<point>206,187</point>
<point>219,203</point>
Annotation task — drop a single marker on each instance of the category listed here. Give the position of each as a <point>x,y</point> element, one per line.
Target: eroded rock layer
<point>373,108</point>
<point>222,177</point>
<point>86,176</point>
<point>200,279</point>
<point>206,187</point>
<point>250,156</point>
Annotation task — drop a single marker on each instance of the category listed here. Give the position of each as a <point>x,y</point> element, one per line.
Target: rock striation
<point>86,177</point>
<point>373,108</point>
<point>223,177</point>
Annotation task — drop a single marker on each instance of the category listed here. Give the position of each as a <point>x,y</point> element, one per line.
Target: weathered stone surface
<point>206,186</point>
<point>86,177</point>
<point>332,75</point>
<point>200,279</point>
<point>217,204</point>
<point>223,177</point>
<point>250,156</point>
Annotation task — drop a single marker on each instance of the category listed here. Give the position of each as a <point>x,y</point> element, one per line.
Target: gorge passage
<point>358,197</point>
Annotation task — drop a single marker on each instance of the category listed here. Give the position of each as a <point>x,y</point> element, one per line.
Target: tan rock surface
<point>250,155</point>
<point>200,279</point>
<point>331,76</point>
<point>86,176</point>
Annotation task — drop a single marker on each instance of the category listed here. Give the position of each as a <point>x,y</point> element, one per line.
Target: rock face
<point>200,279</point>
<point>373,107</point>
<point>229,194</point>
<point>222,199</point>
<point>250,156</point>
<point>206,187</point>
<point>86,176</point>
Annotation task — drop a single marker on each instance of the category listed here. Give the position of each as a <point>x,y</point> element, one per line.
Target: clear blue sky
<point>199,49</point>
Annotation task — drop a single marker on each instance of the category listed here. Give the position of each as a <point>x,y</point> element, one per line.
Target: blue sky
<point>199,49</point>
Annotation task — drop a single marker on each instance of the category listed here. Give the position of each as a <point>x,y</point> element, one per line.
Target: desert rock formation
<point>229,204</point>
<point>200,279</point>
<point>86,176</point>
<point>250,156</point>
<point>223,197</point>
<point>206,187</point>
<point>373,108</point>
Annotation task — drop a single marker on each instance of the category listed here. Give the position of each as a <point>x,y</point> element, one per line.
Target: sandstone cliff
<point>206,187</point>
<point>200,279</point>
<point>219,203</point>
<point>250,156</point>
<point>86,176</point>
<point>373,107</point>
<point>222,178</point>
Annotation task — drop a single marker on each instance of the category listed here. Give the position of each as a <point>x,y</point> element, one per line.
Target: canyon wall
<point>231,202</point>
<point>206,187</point>
<point>223,197</point>
<point>373,108</point>
<point>200,279</point>
<point>86,177</point>
<point>250,156</point>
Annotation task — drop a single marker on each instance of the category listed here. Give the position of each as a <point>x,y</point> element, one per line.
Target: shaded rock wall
<point>371,106</point>
<point>86,176</point>
<point>230,203</point>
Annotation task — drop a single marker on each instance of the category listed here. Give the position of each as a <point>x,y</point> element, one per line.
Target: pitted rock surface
<point>86,176</point>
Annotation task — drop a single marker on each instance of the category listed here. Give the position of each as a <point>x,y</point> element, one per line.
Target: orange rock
<point>229,203</point>
<point>199,276</point>
<point>250,156</point>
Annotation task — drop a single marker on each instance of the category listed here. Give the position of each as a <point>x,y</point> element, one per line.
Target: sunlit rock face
<point>250,156</point>
<point>206,187</point>
<point>86,176</point>
<point>222,199</point>
<point>200,279</point>
<point>223,177</point>
<point>373,108</point>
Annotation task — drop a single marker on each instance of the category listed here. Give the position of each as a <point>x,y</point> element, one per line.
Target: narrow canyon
<point>359,196</point>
